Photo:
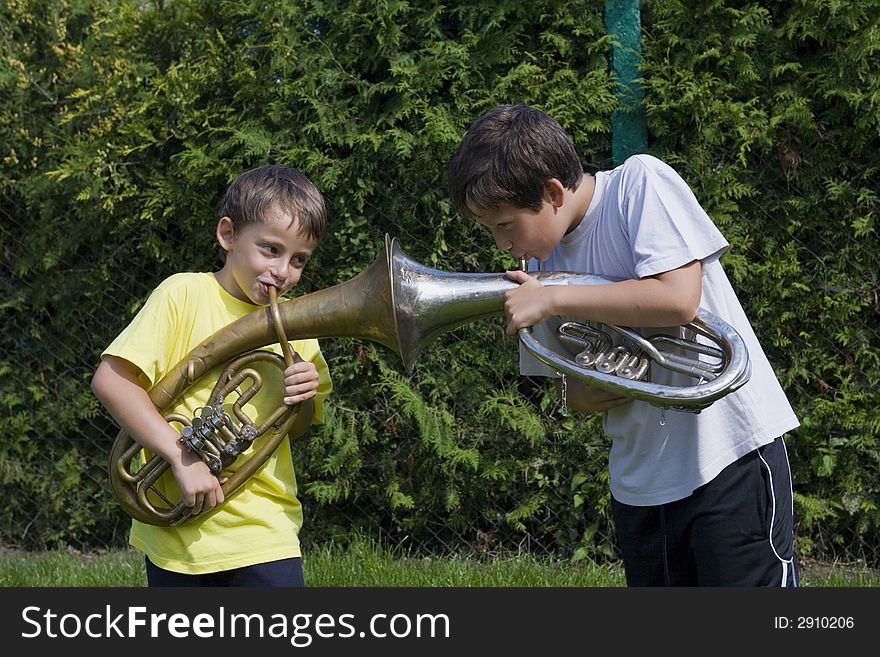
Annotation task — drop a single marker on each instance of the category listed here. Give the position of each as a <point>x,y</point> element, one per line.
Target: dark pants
<point>737,530</point>
<point>285,572</point>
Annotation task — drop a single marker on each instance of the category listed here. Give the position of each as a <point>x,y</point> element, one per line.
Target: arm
<point>671,298</point>
<point>116,386</point>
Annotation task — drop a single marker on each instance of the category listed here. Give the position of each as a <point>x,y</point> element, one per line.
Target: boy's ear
<point>554,192</point>
<point>225,233</point>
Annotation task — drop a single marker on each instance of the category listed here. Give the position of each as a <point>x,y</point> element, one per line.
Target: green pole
<point>629,133</point>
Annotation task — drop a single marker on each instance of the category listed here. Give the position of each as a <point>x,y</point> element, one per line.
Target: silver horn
<point>428,302</point>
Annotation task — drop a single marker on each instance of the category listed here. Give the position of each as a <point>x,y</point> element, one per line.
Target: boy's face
<point>525,233</point>
<point>263,254</point>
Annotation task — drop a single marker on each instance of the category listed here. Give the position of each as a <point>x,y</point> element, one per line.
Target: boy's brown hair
<point>251,194</point>
<point>507,156</point>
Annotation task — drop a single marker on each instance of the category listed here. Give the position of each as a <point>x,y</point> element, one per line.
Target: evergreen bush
<point>122,122</point>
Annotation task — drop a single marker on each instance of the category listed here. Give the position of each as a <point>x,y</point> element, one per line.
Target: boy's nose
<point>504,245</point>
<point>287,275</point>
<point>279,274</point>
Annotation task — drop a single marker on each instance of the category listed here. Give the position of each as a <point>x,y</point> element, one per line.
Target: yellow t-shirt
<point>260,522</point>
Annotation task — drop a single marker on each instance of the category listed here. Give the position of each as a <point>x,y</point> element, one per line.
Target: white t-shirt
<point>643,220</point>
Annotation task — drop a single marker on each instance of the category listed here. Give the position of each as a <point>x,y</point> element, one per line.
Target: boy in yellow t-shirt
<point>271,220</point>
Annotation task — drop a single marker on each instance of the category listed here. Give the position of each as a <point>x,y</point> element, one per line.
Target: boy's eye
<point>299,261</point>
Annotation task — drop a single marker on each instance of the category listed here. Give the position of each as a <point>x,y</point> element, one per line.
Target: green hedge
<point>122,123</point>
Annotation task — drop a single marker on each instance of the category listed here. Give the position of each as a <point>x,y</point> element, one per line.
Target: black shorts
<point>737,530</point>
<point>284,572</point>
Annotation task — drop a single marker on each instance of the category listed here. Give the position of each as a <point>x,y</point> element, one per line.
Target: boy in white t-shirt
<point>698,499</point>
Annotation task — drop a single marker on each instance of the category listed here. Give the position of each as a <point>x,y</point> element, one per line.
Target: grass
<point>363,564</point>
<point>366,564</point>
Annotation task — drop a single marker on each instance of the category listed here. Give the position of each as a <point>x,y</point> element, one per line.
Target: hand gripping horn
<point>214,434</point>
<point>404,305</point>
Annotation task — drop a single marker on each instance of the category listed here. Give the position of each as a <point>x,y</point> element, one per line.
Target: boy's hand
<point>585,398</point>
<point>526,305</point>
<point>201,489</point>
<point>300,382</point>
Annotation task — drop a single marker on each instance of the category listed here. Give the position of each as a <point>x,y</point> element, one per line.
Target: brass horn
<point>402,305</point>
<point>213,434</point>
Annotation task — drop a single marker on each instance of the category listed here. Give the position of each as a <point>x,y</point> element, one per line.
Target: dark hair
<point>508,155</point>
<point>250,196</point>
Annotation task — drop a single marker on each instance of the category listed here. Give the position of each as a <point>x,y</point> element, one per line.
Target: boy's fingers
<point>517,276</point>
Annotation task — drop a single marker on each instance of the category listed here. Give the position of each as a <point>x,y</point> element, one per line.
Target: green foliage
<point>122,122</point>
<point>770,111</point>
